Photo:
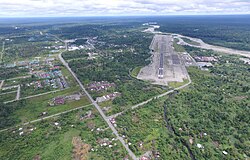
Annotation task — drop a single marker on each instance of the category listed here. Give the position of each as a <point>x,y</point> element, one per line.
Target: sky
<point>67,8</point>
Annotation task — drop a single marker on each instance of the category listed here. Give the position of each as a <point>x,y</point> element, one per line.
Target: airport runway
<point>166,65</point>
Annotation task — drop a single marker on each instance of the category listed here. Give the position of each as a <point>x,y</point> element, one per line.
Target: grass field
<point>189,41</point>
<point>8,83</point>
<point>31,108</point>
<point>8,90</point>
<point>177,47</point>
<point>7,97</point>
<point>177,84</point>
<point>135,72</point>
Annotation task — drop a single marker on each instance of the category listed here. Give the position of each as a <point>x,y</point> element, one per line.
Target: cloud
<point>120,7</point>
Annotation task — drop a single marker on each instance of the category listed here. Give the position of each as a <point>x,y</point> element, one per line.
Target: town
<point>130,88</point>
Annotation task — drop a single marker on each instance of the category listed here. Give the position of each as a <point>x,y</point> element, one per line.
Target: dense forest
<point>227,31</point>
<point>213,112</point>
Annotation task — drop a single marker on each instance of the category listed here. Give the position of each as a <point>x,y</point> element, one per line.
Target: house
<point>205,59</point>
<point>108,97</point>
<point>204,65</point>
<point>245,60</point>
<point>112,120</point>
<point>100,86</point>
<point>59,100</point>
<point>144,158</point>
<point>73,97</point>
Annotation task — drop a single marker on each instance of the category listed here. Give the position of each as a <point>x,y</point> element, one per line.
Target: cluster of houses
<point>205,59</point>
<point>62,99</point>
<point>31,64</point>
<point>54,83</point>
<point>22,131</point>
<point>145,158</point>
<point>205,62</point>
<point>106,142</point>
<point>53,78</point>
<point>108,97</point>
<point>88,115</point>
<point>113,121</point>
<point>150,155</point>
<point>71,46</point>
<point>23,64</point>
<point>47,75</point>
<point>245,60</point>
<point>100,86</point>
<point>47,81</point>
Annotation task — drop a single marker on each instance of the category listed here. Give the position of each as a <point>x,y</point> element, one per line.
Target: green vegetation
<point>30,109</point>
<point>123,50</point>
<point>135,71</point>
<point>17,81</point>
<point>177,84</point>
<point>177,47</point>
<point>74,54</point>
<point>213,111</point>
<point>189,41</point>
<point>8,90</point>
<point>146,126</point>
<point>6,73</point>
<point>216,106</point>
<point>7,97</point>
<point>49,141</point>
<point>227,31</point>
<point>200,52</point>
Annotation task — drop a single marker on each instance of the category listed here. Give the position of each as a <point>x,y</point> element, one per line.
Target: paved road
<point>51,116</point>
<point>132,155</point>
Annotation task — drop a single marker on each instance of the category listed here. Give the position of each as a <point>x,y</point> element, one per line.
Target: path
<point>7,93</point>
<point>21,77</point>
<point>51,116</point>
<point>37,95</point>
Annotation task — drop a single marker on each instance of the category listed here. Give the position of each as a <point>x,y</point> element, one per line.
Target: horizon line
<point>91,16</point>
